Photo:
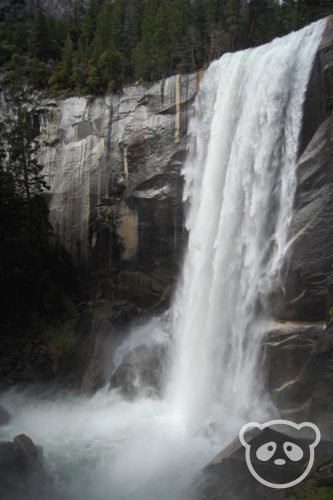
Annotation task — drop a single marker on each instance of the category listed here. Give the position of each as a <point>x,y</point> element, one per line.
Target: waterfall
<point>240,185</point>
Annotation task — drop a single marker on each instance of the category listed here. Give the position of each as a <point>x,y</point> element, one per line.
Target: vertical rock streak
<point>240,184</point>
<point>178,108</point>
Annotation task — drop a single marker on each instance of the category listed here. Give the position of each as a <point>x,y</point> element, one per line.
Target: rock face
<point>114,165</point>
<point>309,270</point>
<point>228,477</point>
<point>22,474</point>
<point>298,348</point>
<point>298,363</point>
<point>141,372</point>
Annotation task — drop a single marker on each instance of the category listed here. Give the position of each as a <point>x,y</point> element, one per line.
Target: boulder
<point>22,473</point>
<point>141,372</point>
<point>288,348</point>
<point>139,287</point>
<point>228,477</point>
<point>321,406</point>
<point>298,363</point>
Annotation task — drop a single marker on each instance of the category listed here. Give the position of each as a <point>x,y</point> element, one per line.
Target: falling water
<point>240,184</point>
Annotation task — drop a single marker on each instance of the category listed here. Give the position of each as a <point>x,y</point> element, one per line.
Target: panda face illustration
<point>279,453</point>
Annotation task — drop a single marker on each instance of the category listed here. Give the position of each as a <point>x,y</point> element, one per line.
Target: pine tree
<point>62,77</point>
<point>144,53</point>
<point>262,21</point>
<point>232,15</point>
<point>22,167</point>
<point>311,10</point>
<point>88,23</point>
<point>290,16</point>
<point>80,68</point>
<point>40,40</point>
<point>103,35</point>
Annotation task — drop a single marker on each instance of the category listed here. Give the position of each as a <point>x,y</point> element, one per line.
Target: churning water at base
<point>240,184</point>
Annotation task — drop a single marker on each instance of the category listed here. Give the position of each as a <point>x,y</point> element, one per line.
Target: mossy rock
<point>102,311</point>
<point>61,337</point>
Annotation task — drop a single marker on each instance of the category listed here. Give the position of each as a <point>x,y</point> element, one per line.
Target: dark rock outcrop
<point>228,477</point>
<point>299,362</point>
<point>22,474</point>
<point>141,372</point>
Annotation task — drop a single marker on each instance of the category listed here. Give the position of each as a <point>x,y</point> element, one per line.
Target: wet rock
<point>139,287</point>
<point>116,186</point>
<point>89,376</point>
<point>288,348</point>
<point>141,372</point>
<point>123,313</point>
<point>321,407</point>
<point>311,260</point>
<point>298,363</point>
<point>228,477</point>
<point>22,473</point>
<point>309,265</point>
<point>4,416</point>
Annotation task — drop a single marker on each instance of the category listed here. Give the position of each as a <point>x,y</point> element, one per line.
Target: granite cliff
<point>114,167</point>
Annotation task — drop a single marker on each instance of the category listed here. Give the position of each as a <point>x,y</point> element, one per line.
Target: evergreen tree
<point>20,134</point>
<point>232,15</point>
<point>102,37</point>
<point>311,10</point>
<point>262,21</point>
<point>88,23</point>
<point>290,16</point>
<point>62,76</point>
<point>80,68</point>
<point>29,265</point>
<point>145,39</point>
<point>40,40</point>
<point>144,53</point>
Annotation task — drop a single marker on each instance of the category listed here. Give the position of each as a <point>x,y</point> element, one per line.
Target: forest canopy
<point>106,44</point>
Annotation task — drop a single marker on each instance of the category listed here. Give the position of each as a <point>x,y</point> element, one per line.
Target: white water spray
<point>240,183</point>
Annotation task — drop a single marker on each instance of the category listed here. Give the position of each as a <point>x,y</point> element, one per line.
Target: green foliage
<point>61,336</point>
<point>102,311</point>
<point>33,271</point>
<point>40,39</point>
<point>20,132</point>
<point>312,491</point>
<point>62,76</point>
<point>330,312</point>
<point>108,43</point>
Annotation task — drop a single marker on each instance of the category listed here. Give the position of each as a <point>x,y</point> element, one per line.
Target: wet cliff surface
<point>114,167</point>
<point>308,272</point>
